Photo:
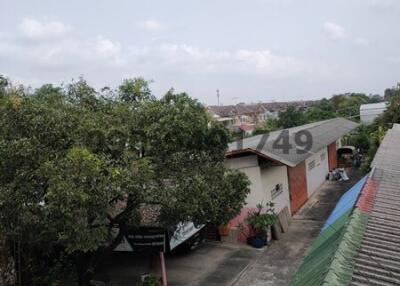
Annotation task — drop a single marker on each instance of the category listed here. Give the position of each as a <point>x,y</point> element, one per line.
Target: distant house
<point>287,177</point>
<point>368,112</point>
<point>228,122</point>
<point>255,113</point>
<point>360,242</point>
<point>246,129</point>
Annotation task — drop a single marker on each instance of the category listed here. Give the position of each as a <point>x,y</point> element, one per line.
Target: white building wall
<point>316,175</point>
<point>368,112</point>
<point>263,181</point>
<point>272,176</point>
<point>369,117</point>
<point>249,166</point>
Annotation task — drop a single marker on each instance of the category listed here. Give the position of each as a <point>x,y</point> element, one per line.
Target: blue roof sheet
<point>346,202</point>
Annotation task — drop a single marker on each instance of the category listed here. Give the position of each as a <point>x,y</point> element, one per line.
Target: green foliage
<point>151,281</point>
<point>391,92</point>
<point>80,92</point>
<point>360,138</point>
<point>135,90</point>
<point>321,111</point>
<point>75,164</point>
<point>348,104</point>
<point>291,117</point>
<point>342,105</point>
<point>262,218</point>
<point>376,98</point>
<point>3,85</point>
<point>269,125</point>
<point>371,137</point>
<point>392,113</point>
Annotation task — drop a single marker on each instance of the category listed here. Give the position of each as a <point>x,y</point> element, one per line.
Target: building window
<point>275,192</point>
<point>311,165</point>
<point>323,156</point>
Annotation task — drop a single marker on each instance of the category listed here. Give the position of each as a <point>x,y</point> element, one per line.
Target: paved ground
<point>212,264</point>
<point>280,261</point>
<point>222,264</point>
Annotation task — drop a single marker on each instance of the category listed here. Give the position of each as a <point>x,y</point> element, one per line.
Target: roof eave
<point>261,154</point>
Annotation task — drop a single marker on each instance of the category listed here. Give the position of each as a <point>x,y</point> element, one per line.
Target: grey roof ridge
<point>292,131</point>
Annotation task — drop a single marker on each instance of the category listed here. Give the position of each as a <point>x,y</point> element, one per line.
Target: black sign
<point>147,240</point>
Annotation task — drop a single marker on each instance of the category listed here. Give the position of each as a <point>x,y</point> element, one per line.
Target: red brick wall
<point>297,186</point>
<point>332,156</point>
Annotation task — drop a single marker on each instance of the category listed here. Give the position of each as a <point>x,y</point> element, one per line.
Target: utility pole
<point>218,96</point>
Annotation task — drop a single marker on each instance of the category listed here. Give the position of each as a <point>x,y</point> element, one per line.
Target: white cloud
<point>393,59</point>
<point>190,59</point>
<point>35,30</point>
<point>107,48</point>
<point>266,62</point>
<point>335,31</point>
<point>381,5</point>
<point>361,41</point>
<point>65,52</point>
<point>152,26</point>
<point>69,54</point>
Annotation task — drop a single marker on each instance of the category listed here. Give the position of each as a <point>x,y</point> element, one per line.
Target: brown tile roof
<point>246,127</point>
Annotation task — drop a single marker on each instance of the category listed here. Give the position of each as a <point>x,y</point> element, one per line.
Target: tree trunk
<point>7,265</point>
<point>88,262</point>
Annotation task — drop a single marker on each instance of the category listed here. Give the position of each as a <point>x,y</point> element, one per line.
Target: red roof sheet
<point>368,194</point>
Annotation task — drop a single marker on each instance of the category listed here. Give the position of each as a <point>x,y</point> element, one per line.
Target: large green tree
<point>392,113</point>
<point>291,117</point>
<point>321,111</point>
<point>77,167</point>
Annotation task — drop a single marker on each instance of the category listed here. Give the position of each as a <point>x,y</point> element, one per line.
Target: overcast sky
<point>253,50</point>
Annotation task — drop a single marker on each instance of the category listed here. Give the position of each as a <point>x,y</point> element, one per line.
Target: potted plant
<point>150,280</point>
<point>260,222</point>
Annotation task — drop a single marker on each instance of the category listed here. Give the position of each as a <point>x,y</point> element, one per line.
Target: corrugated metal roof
<point>321,263</point>
<point>322,133</point>
<point>366,244</point>
<point>368,106</point>
<point>378,260</point>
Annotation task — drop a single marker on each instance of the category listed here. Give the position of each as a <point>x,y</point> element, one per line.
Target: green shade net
<point>331,258</point>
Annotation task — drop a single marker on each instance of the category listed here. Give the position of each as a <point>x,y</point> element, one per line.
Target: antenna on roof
<point>218,96</point>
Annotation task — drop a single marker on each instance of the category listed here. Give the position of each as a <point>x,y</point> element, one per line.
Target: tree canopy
<point>75,165</point>
<point>342,105</point>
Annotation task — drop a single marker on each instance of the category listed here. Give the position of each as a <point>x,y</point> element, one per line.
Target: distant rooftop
<point>373,105</point>
<point>254,108</point>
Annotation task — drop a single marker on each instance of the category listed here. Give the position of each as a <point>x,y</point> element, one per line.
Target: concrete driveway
<point>211,264</point>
